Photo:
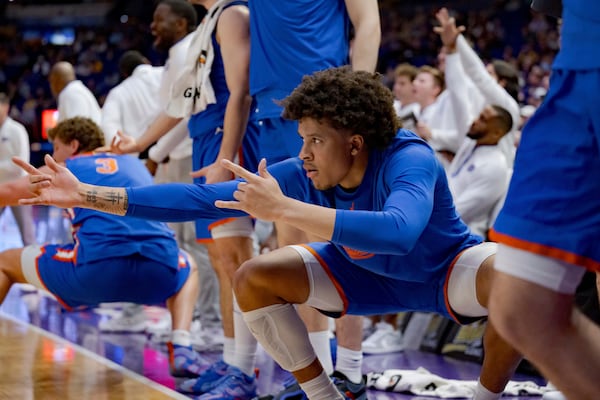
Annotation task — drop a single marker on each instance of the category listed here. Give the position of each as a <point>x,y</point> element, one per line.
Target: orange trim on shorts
<point>446,300</point>
<point>37,270</point>
<point>220,222</point>
<point>548,251</point>
<point>205,241</point>
<point>337,285</point>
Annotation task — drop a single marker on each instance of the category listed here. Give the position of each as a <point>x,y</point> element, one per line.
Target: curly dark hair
<point>356,101</point>
<point>84,130</point>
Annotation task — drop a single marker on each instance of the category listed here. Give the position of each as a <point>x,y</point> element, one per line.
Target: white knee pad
<point>283,335</point>
<point>323,295</point>
<point>462,292</point>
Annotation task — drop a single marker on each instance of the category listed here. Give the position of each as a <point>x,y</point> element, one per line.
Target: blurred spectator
<point>14,142</point>
<point>73,98</point>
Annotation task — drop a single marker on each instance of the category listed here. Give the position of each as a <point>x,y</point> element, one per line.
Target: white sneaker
<point>553,393</point>
<point>385,339</point>
<point>159,327</point>
<point>206,339</point>
<point>135,322</point>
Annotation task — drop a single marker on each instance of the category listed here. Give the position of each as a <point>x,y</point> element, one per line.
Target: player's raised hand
<point>447,30</point>
<point>259,196</point>
<point>56,186</point>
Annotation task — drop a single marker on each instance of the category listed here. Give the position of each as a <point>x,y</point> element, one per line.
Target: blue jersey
<point>290,39</point>
<point>580,36</point>
<point>98,235</point>
<point>400,222</point>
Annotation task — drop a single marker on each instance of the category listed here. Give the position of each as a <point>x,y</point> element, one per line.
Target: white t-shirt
<point>132,105</point>
<point>14,141</point>
<point>76,100</point>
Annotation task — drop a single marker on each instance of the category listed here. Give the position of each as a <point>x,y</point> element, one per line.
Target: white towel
<point>192,91</point>
<point>423,383</point>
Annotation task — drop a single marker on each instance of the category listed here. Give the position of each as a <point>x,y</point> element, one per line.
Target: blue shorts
<point>279,139</point>
<point>205,150</point>
<point>553,203</point>
<point>134,279</point>
<point>366,293</point>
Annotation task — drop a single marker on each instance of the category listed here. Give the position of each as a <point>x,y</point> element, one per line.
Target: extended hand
<point>59,187</point>
<point>213,173</point>
<point>259,196</point>
<point>447,30</point>
<point>124,144</point>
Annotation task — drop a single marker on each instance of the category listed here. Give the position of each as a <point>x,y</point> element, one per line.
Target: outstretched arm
<point>56,185</point>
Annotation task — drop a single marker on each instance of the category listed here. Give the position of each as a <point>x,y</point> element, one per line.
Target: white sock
<point>321,388</point>
<point>245,343</point>
<point>229,350</point>
<point>481,393</point>
<point>320,342</point>
<point>349,363</point>
<point>181,337</point>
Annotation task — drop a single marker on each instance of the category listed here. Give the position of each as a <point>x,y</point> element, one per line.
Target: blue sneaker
<point>291,391</point>
<point>207,380</point>
<point>184,362</point>
<point>350,390</point>
<point>234,386</point>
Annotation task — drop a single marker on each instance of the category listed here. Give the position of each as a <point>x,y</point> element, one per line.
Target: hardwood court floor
<point>36,364</point>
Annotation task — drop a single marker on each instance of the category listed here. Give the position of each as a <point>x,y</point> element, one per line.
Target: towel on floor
<point>423,383</point>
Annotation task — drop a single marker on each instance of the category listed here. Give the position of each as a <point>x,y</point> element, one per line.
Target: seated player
<point>112,259</point>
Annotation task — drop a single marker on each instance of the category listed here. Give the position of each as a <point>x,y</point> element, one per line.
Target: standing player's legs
<point>229,243</point>
<point>549,229</point>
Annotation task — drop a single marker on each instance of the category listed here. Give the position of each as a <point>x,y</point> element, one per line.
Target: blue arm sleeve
<point>176,202</point>
<point>410,177</point>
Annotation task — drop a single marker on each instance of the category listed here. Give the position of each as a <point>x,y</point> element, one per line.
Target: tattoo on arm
<point>107,199</point>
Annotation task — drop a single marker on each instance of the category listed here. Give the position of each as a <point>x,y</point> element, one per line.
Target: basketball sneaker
<point>207,380</point>
<point>291,391</point>
<point>234,386</point>
<point>184,362</point>
<point>132,319</point>
<point>385,339</point>
<point>350,390</point>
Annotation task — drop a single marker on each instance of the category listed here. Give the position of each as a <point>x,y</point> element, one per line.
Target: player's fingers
<point>234,205</point>
<point>237,170</point>
<point>30,169</point>
<point>50,163</point>
<point>199,173</point>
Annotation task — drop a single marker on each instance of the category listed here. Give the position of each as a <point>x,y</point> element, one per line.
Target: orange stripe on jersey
<point>330,275</point>
<point>357,254</point>
<point>182,262</point>
<point>548,251</point>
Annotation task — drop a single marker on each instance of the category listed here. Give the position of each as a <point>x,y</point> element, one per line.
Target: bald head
<point>60,75</point>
